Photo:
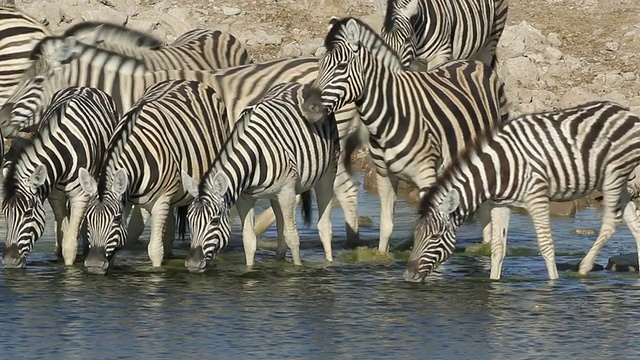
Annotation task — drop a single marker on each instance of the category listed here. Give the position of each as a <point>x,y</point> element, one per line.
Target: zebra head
<point>34,92</point>
<point>397,30</point>
<point>106,228</point>
<point>339,79</point>
<point>208,217</point>
<point>434,235</point>
<point>23,208</point>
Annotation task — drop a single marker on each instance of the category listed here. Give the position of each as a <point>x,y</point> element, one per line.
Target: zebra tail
<point>306,207</point>
<point>181,221</point>
<point>354,141</point>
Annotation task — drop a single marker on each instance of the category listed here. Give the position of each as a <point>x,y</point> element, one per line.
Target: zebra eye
<point>117,218</point>
<point>215,221</point>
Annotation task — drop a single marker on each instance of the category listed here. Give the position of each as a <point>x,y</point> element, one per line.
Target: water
<point>346,310</point>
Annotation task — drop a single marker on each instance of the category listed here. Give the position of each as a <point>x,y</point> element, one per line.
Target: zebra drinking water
<point>415,120</point>
<point>437,31</point>
<point>527,162</point>
<point>176,126</point>
<point>73,134</point>
<point>275,151</point>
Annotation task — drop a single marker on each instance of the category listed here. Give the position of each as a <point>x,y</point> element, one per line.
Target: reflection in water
<point>326,311</point>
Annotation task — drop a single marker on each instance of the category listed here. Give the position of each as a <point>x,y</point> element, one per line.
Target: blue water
<point>346,310</point>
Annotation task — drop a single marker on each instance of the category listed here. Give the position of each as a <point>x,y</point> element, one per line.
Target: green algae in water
<point>364,254</point>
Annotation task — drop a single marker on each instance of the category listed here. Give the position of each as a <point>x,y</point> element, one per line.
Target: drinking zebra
<point>416,120</point>
<point>274,152</point>
<point>73,134</point>
<point>175,126</point>
<point>434,32</point>
<point>238,86</point>
<point>19,33</point>
<point>527,162</point>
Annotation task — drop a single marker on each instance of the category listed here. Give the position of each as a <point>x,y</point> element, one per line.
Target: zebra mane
<point>369,39</point>
<point>389,16</point>
<point>109,33</point>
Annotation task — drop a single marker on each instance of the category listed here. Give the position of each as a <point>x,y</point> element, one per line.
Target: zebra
<point>527,162</point>
<point>176,126</point>
<point>19,33</point>
<point>112,35</point>
<point>73,134</point>
<point>274,152</point>
<point>207,51</point>
<point>415,120</point>
<point>435,32</point>
<point>238,86</point>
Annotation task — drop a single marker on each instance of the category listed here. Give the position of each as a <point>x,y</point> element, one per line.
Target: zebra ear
<point>353,33</point>
<point>87,182</point>
<point>38,177</point>
<point>190,184</point>
<point>120,182</point>
<point>450,202</point>
<point>410,9</point>
<point>219,184</point>
<point>332,21</point>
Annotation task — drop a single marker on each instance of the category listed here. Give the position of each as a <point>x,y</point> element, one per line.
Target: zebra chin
<point>196,261</point>
<point>96,261</point>
<point>11,259</point>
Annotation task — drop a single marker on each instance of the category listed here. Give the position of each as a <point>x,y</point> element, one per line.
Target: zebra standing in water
<point>527,162</point>
<point>19,33</point>
<point>175,126</point>
<point>58,58</point>
<point>275,151</point>
<point>437,31</point>
<point>238,86</point>
<point>415,120</point>
<point>73,134</point>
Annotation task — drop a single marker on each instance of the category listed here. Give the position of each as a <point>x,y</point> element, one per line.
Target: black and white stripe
<point>527,162</point>
<point>19,33</point>
<point>113,36</point>
<point>274,152</point>
<point>416,120</point>
<point>238,86</point>
<point>437,31</point>
<point>73,134</point>
<point>175,126</point>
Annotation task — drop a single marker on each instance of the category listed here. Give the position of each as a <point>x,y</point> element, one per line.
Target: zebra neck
<point>474,186</point>
<point>239,181</point>
<point>26,165</point>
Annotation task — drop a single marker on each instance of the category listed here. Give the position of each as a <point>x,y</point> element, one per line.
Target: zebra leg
<point>484,215</point>
<point>136,224</point>
<point>245,207</point>
<point>346,192</point>
<point>632,219</point>
<point>281,249</point>
<point>264,221</point>
<point>287,200</point>
<point>324,196</point>
<point>538,210</point>
<point>58,203</point>
<point>169,234</point>
<point>388,190</point>
<point>77,209</point>
<point>611,218</point>
<point>159,212</point>
<point>499,226</point>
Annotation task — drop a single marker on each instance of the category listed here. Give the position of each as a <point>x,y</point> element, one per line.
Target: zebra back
<point>114,36</point>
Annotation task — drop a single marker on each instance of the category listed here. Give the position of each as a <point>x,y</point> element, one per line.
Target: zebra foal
<point>527,162</point>
<point>276,150</point>
<point>73,135</point>
<point>415,120</point>
<point>176,126</point>
<point>438,31</point>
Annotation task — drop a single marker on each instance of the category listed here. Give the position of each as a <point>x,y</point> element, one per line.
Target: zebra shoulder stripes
<point>73,134</point>
<point>527,162</point>
<point>175,126</point>
<point>273,152</point>
<point>415,120</point>
<point>18,35</point>
<point>437,31</point>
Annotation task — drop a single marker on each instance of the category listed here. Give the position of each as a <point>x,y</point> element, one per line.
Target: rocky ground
<point>553,53</point>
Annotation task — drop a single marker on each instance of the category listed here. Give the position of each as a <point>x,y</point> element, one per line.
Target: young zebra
<point>73,134</point>
<point>19,33</point>
<point>195,50</point>
<point>527,162</point>
<point>238,86</point>
<point>438,31</point>
<point>274,152</point>
<point>415,120</point>
<point>175,126</point>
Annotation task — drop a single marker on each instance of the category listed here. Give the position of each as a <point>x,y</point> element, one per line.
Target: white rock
<point>612,46</point>
<point>576,96</point>
<point>554,39</point>
<point>320,51</point>
<point>629,76</point>
<point>289,50</point>
<point>554,54</point>
<point>310,47</point>
<point>230,11</point>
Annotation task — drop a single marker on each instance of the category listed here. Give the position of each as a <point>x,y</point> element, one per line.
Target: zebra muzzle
<point>412,272</point>
<point>96,261</point>
<point>12,259</point>
<point>196,262</point>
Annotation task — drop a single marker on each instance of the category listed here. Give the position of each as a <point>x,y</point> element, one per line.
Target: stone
<point>612,45</point>
<point>310,47</point>
<point>575,265</point>
<point>289,50</point>
<point>554,39</point>
<point>623,262</point>
<point>563,209</point>
<point>584,231</point>
<point>554,54</point>
<point>365,222</point>
<point>230,11</point>
<point>576,96</point>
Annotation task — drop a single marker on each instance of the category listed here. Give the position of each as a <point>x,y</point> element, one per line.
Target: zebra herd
<point>129,129</point>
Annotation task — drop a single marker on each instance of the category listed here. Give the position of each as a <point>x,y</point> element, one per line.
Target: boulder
<point>623,262</point>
